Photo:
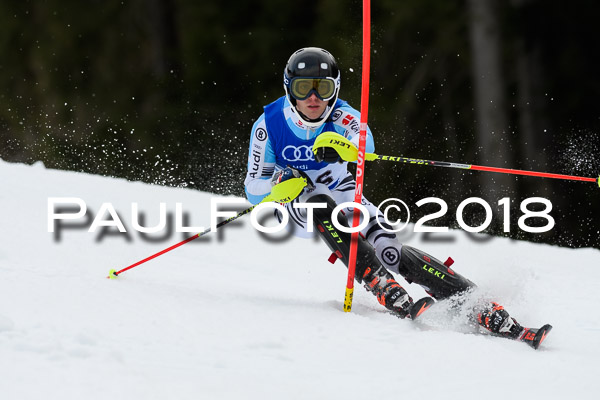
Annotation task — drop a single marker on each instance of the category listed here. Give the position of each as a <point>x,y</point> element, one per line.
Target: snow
<point>236,316</point>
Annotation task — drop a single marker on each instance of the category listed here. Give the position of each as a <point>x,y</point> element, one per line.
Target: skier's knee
<point>318,190</point>
<point>388,252</point>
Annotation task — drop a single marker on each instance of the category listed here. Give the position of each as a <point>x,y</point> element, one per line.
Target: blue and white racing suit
<point>280,139</point>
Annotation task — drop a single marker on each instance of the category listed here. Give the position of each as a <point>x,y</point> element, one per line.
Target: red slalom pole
<point>362,143</point>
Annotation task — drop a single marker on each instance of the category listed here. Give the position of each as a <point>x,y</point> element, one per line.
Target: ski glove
<point>288,173</point>
<point>341,148</point>
<point>327,154</point>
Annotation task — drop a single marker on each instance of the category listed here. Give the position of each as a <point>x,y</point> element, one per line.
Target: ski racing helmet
<point>312,70</point>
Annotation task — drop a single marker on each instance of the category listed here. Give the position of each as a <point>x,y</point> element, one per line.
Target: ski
<point>420,306</point>
<point>531,336</point>
<point>534,337</point>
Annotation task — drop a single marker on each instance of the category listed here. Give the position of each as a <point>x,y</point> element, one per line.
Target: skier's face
<point>312,107</point>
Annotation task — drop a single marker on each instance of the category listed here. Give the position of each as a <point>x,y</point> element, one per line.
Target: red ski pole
<point>416,161</point>
<point>113,274</point>
<point>283,192</point>
<point>348,152</point>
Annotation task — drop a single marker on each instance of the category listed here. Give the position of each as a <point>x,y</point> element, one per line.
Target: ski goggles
<point>302,88</point>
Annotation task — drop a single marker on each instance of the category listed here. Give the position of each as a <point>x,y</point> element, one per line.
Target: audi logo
<point>300,153</point>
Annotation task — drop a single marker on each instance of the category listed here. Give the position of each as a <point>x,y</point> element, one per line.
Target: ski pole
<point>283,192</point>
<point>113,274</point>
<point>373,157</point>
<point>348,152</point>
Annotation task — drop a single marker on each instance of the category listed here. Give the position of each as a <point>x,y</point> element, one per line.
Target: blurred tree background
<point>166,91</point>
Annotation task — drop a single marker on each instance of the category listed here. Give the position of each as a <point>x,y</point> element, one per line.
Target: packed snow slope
<point>236,316</point>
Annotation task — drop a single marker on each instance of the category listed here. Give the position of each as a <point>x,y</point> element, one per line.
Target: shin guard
<point>435,277</point>
<point>338,241</point>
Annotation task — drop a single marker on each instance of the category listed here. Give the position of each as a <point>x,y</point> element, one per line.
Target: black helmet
<point>312,70</point>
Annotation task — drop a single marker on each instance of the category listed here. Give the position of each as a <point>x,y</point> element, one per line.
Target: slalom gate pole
<point>113,274</point>
<point>445,164</point>
<point>360,166</point>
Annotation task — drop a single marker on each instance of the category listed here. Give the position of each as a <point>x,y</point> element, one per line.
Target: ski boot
<point>495,319</point>
<point>389,293</point>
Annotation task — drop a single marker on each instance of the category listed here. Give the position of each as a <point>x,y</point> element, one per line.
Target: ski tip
<point>420,307</point>
<point>112,274</point>
<point>540,336</point>
<point>535,337</point>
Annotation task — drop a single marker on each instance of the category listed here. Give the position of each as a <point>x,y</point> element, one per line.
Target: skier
<point>281,147</point>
